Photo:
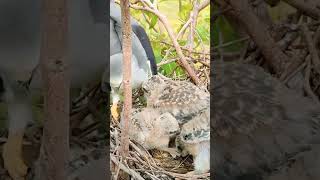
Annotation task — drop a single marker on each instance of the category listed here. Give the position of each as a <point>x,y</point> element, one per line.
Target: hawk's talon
<point>114,111</point>
<point>12,157</point>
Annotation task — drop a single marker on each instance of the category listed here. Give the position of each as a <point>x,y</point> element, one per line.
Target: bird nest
<point>143,164</point>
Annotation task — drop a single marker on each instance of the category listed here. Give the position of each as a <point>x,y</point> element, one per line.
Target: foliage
<point>178,13</point>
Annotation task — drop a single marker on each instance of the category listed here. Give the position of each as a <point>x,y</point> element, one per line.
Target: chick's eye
<point>187,136</point>
<point>144,89</point>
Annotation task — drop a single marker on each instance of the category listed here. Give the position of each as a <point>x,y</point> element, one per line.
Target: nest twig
<point>142,164</point>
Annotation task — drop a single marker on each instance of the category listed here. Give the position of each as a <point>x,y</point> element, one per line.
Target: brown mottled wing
<point>177,94</point>
<point>245,97</point>
<point>196,130</point>
<point>303,166</point>
<point>256,122</point>
<point>182,99</point>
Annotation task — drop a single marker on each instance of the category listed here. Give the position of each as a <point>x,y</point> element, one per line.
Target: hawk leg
<point>12,156</point>
<point>114,111</point>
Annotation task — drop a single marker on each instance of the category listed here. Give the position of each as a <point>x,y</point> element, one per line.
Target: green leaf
<point>185,11</point>
<point>154,21</point>
<point>204,33</point>
<point>221,25</point>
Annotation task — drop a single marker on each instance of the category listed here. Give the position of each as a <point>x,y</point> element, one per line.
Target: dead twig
<point>148,6</point>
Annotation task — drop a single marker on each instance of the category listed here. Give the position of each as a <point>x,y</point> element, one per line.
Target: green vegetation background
<point>177,12</point>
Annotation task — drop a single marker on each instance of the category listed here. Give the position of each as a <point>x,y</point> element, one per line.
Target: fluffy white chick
<point>190,106</point>
<point>194,139</point>
<point>153,130</point>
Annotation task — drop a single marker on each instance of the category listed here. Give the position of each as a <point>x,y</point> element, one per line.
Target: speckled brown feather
<point>182,99</point>
<point>250,98</point>
<point>197,129</point>
<point>256,122</point>
<point>189,104</point>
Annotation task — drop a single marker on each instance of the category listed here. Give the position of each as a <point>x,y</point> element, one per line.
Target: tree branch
<point>127,53</point>
<point>54,154</point>
<point>148,6</point>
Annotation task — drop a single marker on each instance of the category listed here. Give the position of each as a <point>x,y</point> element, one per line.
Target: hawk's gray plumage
<point>116,38</point>
<point>20,35</point>
<point>141,66</point>
<point>138,75</point>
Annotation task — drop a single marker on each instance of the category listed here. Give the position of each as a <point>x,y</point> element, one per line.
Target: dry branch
<point>258,31</point>
<point>312,48</point>
<point>54,154</point>
<point>127,53</point>
<point>290,46</point>
<point>148,6</point>
<point>310,8</point>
